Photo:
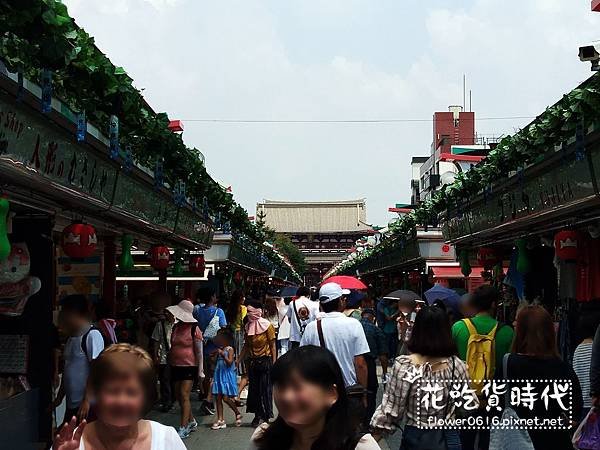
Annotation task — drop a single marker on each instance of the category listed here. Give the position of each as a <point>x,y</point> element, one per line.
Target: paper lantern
<point>126,261</point>
<point>178,266</point>
<point>197,264</point>
<point>238,278</point>
<point>567,244</point>
<point>465,265</point>
<point>160,257</point>
<point>523,262</point>
<point>487,257</point>
<point>79,240</point>
<point>414,276</point>
<point>4,242</point>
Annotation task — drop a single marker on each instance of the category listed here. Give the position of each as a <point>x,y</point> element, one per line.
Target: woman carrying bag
<point>432,360</point>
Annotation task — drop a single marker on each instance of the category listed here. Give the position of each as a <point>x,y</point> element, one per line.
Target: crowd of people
<point>316,358</point>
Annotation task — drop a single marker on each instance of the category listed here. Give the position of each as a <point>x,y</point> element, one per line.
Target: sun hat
<point>183,311</point>
<point>331,291</point>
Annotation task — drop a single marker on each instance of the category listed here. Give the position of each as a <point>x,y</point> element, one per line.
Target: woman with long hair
<point>123,383</point>
<point>432,359</point>
<point>309,392</point>
<point>260,353</point>
<point>535,355</point>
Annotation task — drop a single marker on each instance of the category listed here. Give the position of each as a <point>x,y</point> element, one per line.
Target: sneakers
<point>219,425</point>
<point>256,422</point>
<point>207,408</point>
<point>192,426</point>
<point>183,432</point>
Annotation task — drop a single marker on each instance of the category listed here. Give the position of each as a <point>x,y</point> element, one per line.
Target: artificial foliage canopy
<point>40,34</point>
<point>540,139</point>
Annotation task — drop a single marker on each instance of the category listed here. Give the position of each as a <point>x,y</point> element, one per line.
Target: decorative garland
<point>39,37</point>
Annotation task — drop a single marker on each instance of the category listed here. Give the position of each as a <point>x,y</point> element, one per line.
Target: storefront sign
<point>564,184</point>
<point>50,156</point>
<point>28,140</point>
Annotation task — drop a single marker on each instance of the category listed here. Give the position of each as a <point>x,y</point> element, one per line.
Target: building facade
<point>323,231</point>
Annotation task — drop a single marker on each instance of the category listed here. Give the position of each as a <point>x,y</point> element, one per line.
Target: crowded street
<point>299,225</point>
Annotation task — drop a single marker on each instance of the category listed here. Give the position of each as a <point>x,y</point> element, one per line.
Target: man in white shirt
<point>341,335</point>
<point>84,344</point>
<point>301,312</point>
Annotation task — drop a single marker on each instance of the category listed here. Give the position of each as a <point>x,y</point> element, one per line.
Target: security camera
<point>591,53</point>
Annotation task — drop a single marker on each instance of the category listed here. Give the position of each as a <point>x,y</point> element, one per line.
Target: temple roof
<point>345,216</point>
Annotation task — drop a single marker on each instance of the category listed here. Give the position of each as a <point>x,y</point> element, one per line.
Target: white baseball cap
<point>331,291</point>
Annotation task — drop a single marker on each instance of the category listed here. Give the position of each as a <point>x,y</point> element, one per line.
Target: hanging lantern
<point>197,264</point>
<point>414,276</point>
<point>4,242</point>
<point>523,262</point>
<point>79,240</point>
<point>465,265</point>
<point>126,261</point>
<point>159,257</point>
<point>178,266</point>
<point>237,278</point>
<point>567,244</point>
<point>487,257</point>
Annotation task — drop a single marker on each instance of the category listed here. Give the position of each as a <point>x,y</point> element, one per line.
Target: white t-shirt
<point>366,442</point>
<point>163,438</point>
<point>284,321</point>
<point>306,308</point>
<point>344,337</point>
<point>77,364</point>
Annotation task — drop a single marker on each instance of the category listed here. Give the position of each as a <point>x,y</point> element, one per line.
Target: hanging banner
<point>81,126</point>
<point>113,137</point>
<point>46,91</point>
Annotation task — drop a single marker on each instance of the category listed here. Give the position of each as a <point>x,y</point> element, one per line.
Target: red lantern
<point>567,244</point>
<point>237,277</point>
<point>79,240</point>
<point>159,257</point>
<point>414,276</point>
<point>487,257</point>
<point>197,264</point>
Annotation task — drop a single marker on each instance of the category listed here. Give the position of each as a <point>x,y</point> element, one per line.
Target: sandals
<point>238,420</point>
<point>219,425</point>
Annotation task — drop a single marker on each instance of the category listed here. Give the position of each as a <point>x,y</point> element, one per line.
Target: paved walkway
<point>231,438</point>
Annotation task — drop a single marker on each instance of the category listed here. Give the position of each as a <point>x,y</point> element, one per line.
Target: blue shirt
<point>204,314</point>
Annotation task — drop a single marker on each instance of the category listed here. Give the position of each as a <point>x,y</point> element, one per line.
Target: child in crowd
<point>84,344</point>
<point>224,386</point>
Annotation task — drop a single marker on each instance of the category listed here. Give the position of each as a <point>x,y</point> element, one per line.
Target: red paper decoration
<point>79,240</point>
<point>237,277</point>
<point>487,257</point>
<point>160,257</point>
<point>414,276</point>
<point>567,244</point>
<point>197,264</point>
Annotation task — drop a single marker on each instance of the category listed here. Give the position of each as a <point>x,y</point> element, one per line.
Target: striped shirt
<point>582,359</point>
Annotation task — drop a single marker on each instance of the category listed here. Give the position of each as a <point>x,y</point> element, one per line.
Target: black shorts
<point>184,373</point>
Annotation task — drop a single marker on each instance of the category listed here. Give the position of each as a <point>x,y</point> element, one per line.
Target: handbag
<point>587,435</point>
<point>212,328</point>
<point>511,438</point>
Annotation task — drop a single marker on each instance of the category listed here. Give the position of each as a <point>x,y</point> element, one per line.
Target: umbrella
<point>404,295</point>
<point>354,298</point>
<point>346,282</point>
<point>288,291</point>
<point>449,297</point>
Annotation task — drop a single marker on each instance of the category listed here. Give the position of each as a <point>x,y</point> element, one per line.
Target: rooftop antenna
<point>470,101</point>
<point>464,92</point>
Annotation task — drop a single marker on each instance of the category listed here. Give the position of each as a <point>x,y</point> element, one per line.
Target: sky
<point>337,60</point>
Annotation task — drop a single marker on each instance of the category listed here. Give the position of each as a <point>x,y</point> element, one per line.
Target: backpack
<point>481,355</point>
<point>107,340</point>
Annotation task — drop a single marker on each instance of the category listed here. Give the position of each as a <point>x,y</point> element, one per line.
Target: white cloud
<point>229,59</point>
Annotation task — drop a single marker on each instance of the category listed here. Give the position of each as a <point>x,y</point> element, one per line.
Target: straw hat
<point>183,311</point>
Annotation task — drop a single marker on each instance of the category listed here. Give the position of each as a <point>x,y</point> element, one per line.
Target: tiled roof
<point>315,217</point>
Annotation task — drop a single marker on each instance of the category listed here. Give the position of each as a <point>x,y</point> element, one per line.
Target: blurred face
<point>120,402</point>
<point>302,403</point>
